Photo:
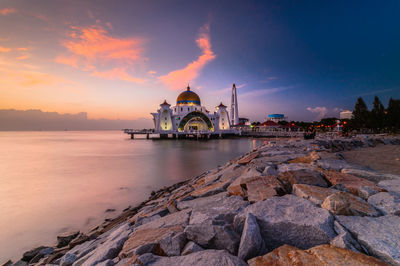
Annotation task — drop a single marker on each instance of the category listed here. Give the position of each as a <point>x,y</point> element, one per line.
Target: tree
<point>283,122</point>
<point>360,114</point>
<point>377,117</point>
<point>393,115</point>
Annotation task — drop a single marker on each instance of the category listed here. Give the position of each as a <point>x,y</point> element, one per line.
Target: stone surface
<point>201,202</point>
<point>333,164</point>
<point>294,167</point>
<point>380,235</point>
<point>369,174</point>
<point>345,240</point>
<point>191,247</point>
<point>172,244</point>
<point>352,183</point>
<point>177,218</point>
<point>29,255</point>
<point>251,242</point>
<point>391,185</point>
<point>212,189</point>
<point>201,258</point>
<point>270,170</point>
<point>385,202</point>
<point>343,203</point>
<point>290,220</point>
<point>263,187</point>
<point>314,194</point>
<point>319,255</point>
<point>308,177</point>
<point>64,239</point>
<point>366,192</point>
<point>248,158</point>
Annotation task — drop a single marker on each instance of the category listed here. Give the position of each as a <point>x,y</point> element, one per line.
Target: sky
<point>121,59</point>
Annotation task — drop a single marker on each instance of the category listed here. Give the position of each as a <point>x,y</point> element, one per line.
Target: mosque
<point>188,115</point>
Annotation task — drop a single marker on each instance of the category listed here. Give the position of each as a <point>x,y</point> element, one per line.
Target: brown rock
<point>330,255</point>
<point>211,189</point>
<point>151,236</point>
<point>351,182</point>
<point>302,176</point>
<point>319,255</point>
<point>263,187</point>
<point>248,158</point>
<point>314,194</point>
<point>343,203</point>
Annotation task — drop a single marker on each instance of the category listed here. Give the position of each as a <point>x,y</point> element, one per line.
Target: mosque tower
<point>234,107</point>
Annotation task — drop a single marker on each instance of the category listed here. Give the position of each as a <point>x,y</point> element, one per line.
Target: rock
<point>173,243</point>
<point>283,158</point>
<point>20,263</point>
<point>177,218</point>
<point>248,158</point>
<point>235,188</point>
<point>345,240</point>
<point>369,174</point>
<point>191,247</point>
<point>263,187</point>
<point>387,203</point>
<point>290,220</point>
<point>42,253</point>
<point>108,249</point>
<point>366,192</point>
<point>314,194</point>
<point>319,255</point>
<point>201,202</point>
<point>172,206</point>
<point>391,185</point>
<point>68,259</point>
<point>212,189</point>
<point>214,235</point>
<point>144,220</point>
<point>7,263</point>
<point>333,164</point>
<point>29,255</point>
<point>308,177</point>
<point>223,210</point>
<point>270,170</point>
<point>146,240</point>
<point>294,167</point>
<point>64,239</point>
<point>106,263</point>
<point>251,242</point>
<point>380,235</point>
<point>352,183</point>
<point>309,158</point>
<point>201,258</point>
<point>343,203</point>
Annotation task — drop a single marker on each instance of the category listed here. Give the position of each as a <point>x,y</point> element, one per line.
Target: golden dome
<point>188,97</point>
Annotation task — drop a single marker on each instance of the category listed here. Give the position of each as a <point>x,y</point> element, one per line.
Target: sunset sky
<point>121,59</point>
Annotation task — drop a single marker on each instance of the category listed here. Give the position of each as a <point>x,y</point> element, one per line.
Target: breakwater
<point>285,201</point>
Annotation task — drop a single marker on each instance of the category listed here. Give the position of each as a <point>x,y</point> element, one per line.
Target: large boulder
<point>308,177</point>
<point>333,164</point>
<point>319,255</point>
<point>391,185</point>
<point>343,203</point>
<point>251,242</point>
<point>294,167</point>
<point>380,235</point>
<point>290,220</point>
<point>352,183</point>
<point>174,219</point>
<point>369,174</point>
<point>387,203</point>
<point>201,258</point>
<point>191,247</point>
<point>314,194</point>
<point>212,189</point>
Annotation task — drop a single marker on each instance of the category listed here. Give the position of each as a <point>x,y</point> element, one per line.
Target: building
<point>234,107</point>
<point>276,117</point>
<point>346,114</point>
<point>188,115</point>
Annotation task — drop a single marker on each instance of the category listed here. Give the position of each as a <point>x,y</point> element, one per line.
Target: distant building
<point>346,114</point>
<point>234,107</point>
<point>244,121</point>
<point>276,117</point>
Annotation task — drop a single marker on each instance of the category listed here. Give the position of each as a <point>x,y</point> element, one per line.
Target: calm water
<point>52,182</point>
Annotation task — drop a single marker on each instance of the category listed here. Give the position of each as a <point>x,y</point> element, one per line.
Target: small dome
<point>188,97</point>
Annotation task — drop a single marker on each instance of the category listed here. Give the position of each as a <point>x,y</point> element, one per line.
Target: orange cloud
<point>117,73</point>
<point>4,49</point>
<point>22,57</point>
<point>92,48</point>
<point>8,10</point>
<point>176,79</point>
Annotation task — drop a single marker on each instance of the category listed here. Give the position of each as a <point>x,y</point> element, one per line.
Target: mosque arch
<point>197,118</point>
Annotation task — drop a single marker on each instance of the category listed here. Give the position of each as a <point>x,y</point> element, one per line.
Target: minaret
<point>234,107</point>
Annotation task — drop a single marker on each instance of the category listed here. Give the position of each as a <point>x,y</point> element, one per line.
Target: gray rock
<point>172,244</point>
<point>366,192</point>
<point>106,263</point>
<point>108,249</point>
<point>191,247</point>
<point>251,242</point>
<point>143,220</point>
<point>345,240</point>
<point>294,167</point>
<point>201,258</point>
<point>387,203</point>
<point>65,238</point>
<point>380,235</point>
<point>41,254</point>
<point>333,164</point>
<point>369,174</point>
<point>68,259</point>
<point>210,234</point>
<point>122,262</point>
<point>270,170</point>
<point>290,220</point>
<point>29,255</point>
<point>20,263</point>
<point>201,202</point>
<point>176,218</point>
<point>391,185</point>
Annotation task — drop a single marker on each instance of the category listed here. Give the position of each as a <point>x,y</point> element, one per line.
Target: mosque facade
<point>188,115</point>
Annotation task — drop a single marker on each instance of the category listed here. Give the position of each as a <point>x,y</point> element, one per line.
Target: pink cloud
<point>177,79</point>
<point>22,57</point>
<point>4,49</point>
<point>93,49</point>
<point>8,10</point>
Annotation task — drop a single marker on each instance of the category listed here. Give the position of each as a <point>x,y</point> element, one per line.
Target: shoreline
<point>288,156</point>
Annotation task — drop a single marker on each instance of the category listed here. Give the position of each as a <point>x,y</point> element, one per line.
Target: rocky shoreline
<point>284,203</point>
